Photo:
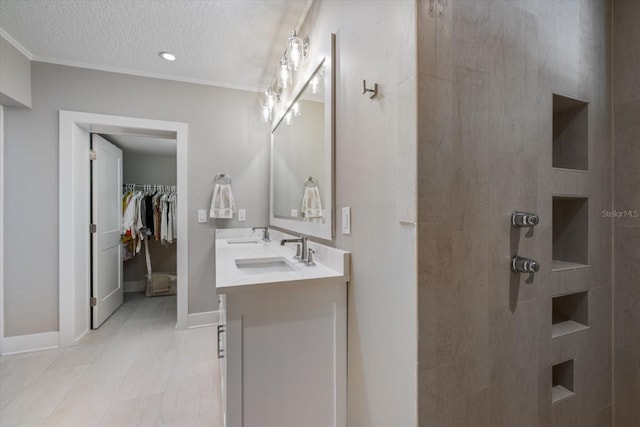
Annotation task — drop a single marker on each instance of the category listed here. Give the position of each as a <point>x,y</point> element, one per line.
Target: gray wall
<point>148,169</point>
<point>225,134</point>
<point>626,104</point>
<point>15,76</point>
<point>487,73</point>
<point>375,41</point>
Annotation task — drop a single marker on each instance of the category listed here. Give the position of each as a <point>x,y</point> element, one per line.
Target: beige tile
<point>142,367</point>
<point>426,39</point>
<point>191,392</point>
<point>42,396</point>
<point>20,370</point>
<point>85,404</point>
<point>139,412</point>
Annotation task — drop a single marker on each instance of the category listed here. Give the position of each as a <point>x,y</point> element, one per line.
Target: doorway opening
<point>74,209</point>
<point>134,192</point>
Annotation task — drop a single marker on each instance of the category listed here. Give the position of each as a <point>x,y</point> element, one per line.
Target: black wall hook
<point>373,91</point>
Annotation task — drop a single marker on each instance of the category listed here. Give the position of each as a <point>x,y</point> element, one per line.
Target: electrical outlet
<point>346,220</point>
<point>202,216</point>
<point>242,214</point>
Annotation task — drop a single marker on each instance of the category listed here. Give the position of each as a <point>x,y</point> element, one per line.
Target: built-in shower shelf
<point>570,133</point>
<point>570,232</point>
<point>559,393</point>
<point>562,381</point>
<point>566,327</point>
<point>557,265</point>
<point>570,313</point>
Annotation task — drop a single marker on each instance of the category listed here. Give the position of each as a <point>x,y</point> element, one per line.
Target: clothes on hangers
<point>146,214</point>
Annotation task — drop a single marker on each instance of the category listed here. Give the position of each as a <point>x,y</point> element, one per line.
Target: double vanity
<point>282,333</point>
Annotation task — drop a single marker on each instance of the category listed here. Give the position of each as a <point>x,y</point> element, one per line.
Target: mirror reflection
<point>298,156</point>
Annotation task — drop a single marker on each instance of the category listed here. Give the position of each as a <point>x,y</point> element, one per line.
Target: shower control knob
<point>524,219</point>
<point>525,265</point>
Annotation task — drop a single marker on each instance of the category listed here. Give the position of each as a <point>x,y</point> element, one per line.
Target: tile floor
<point>135,370</point>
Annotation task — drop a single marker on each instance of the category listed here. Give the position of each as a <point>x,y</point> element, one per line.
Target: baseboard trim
<point>200,320</point>
<point>27,343</point>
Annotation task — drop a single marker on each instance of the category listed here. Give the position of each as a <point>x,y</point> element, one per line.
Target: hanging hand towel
<point>222,202</point>
<point>311,204</point>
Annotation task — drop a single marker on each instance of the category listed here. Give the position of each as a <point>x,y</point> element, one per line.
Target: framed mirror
<point>302,158</point>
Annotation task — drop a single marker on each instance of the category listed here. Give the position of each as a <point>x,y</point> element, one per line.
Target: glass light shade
<point>294,51</point>
<point>284,75</point>
<point>271,98</point>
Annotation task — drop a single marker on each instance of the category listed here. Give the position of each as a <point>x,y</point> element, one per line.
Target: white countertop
<point>331,263</point>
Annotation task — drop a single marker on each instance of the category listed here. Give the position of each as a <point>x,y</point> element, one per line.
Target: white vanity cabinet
<point>222,345</point>
<point>286,356</point>
<point>284,345</point>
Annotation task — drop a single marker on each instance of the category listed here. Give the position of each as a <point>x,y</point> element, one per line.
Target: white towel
<point>222,203</point>
<point>311,204</point>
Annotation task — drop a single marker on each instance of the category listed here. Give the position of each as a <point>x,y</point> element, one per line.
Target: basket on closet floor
<point>161,284</point>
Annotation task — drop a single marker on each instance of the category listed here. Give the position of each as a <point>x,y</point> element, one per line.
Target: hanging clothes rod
<point>149,187</point>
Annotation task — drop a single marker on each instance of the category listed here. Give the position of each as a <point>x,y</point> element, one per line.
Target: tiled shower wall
<point>487,72</point>
<point>626,107</point>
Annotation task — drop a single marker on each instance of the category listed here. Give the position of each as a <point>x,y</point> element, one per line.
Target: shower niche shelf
<point>562,381</point>
<point>570,233</point>
<point>570,313</point>
<point>570,133</point>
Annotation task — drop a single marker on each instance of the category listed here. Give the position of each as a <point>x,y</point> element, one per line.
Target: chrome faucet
<point>303,241</point>
<point>265,233</point>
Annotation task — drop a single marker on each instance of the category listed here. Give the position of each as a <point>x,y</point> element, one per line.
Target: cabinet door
<point>287,357</point>
<point>222,356</point>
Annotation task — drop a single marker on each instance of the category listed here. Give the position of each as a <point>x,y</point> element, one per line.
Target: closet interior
<point>149,196</point>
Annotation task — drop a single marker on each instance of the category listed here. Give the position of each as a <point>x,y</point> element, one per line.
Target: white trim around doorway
<point>2,229</point>
<point>74,220</point>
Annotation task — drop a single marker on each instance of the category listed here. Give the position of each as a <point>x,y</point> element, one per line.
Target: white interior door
<point>106,212</point>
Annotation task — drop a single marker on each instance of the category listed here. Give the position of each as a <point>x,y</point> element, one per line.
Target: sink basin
<point>264,265</point>
<point>241,241</point>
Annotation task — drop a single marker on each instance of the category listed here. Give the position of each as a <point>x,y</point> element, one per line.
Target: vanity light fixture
<point>297,49</point>
<point>167,56</point>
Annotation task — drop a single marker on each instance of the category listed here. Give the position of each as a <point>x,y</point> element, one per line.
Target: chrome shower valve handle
<point>524,219</point>
<point>525,265</point>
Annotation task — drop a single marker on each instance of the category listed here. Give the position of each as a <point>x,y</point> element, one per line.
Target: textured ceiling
<point>232,43</point>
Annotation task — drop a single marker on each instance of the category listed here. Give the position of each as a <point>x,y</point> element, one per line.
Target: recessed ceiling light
<point>167,56</point>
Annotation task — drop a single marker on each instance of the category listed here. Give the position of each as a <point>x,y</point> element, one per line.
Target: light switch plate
<point>294,213</point>
<point>202,216</point>
<point>242,214</point>
<point>346,220</point>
